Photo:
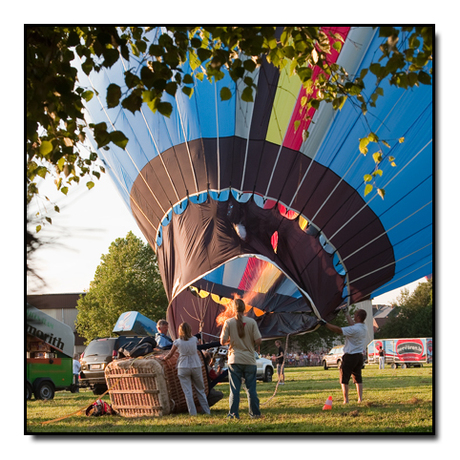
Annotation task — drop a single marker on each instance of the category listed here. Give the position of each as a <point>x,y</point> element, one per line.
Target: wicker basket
<point>148,386</point>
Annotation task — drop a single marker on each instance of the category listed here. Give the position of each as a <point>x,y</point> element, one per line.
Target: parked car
<point>264,365</point>
<point>97,355</point>
<point>333,358</point>
<point>264,368</point>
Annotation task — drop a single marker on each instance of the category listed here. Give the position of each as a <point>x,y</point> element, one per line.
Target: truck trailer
<point>49,355</point>
<point>412,352</point>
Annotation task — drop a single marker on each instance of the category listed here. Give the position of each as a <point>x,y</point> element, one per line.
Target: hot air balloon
<point>237,201</point>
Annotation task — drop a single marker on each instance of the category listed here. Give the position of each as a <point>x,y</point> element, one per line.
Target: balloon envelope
<point>237,201</point>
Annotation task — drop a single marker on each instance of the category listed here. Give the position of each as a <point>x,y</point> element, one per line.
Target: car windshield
<point>99,347</point>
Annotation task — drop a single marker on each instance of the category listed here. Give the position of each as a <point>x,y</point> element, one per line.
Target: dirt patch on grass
<point>353,413</point>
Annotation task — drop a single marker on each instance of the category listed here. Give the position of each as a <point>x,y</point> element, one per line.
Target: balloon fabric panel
<point>236,202</point>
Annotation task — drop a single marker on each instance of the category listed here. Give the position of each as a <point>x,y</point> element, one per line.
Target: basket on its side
<point>147,386</point>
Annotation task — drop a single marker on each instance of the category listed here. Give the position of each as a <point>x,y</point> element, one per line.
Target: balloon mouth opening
<point>262,281</point>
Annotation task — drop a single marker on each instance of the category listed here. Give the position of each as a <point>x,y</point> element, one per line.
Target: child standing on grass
<point>189,368</point>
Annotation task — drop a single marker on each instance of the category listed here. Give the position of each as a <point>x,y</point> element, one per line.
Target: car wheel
<point>29,391</point>
<point>99,389</point>
<point>45,390</point>
<point>268,377</point>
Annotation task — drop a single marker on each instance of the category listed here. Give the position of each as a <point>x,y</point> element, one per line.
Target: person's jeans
<point>235,375</point>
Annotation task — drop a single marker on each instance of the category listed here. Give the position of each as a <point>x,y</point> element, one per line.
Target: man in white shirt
<point>355,343</point>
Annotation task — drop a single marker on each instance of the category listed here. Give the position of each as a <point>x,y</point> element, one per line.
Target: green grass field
<point>395,401</point>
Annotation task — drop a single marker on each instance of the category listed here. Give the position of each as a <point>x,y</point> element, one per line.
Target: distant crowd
<point>299,359</point>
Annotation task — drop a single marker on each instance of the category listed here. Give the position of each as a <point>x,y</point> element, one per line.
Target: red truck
<point>402,352</point>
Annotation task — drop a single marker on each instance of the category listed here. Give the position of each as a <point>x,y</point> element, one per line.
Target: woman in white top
<point>189,368</point>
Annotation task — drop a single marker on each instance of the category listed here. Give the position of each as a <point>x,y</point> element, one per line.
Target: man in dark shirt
<point>280,362</point>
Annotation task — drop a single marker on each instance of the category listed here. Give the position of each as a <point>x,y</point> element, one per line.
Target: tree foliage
<point>127,279</point>
<point>56,128</point>
<point>321,338</point>
<point>413,315</point>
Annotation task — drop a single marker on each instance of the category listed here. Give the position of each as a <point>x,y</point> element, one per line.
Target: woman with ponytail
<point>189,369</point>
<point>243,337</point>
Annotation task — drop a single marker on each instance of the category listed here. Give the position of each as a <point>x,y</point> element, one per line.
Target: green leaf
<point>203,54</point>
<point>381,193</point>
<point>56,208</point>
<point>363,145</point>
<point>304,73</point>
<point>87,95</point>
<point>424,78</point>
<point>225,94</point>
<point>171,88</point>
<point>368,189</point>
<point>113,95</point>
<point>249,65</point>
<point>65,190</point>
<point>165,108</point>
<point>101,135</point>
<point>90,185</point>
<point>246,95</point>
<point>110,57</point>
<point>187,90</point>
<point>314,103</point>
<point>367,177</point>
<point>133,102</point>
<point>377,156</point>
<point>119,139</point>
<point>131,80</point>
<point>188,79</point>
<point>61,163</point>
<point>38,228</point>
<point>339,102</point>
<point>375,69</point>
<point>46,147</point>
<point>42,171</point>
<point>373,137</point>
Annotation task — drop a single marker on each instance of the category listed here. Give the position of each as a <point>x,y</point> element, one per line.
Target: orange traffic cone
<point>328,405</point>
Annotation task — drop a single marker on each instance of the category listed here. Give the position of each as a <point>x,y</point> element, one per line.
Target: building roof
<point>52,301</point>
<point>383,312</point>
